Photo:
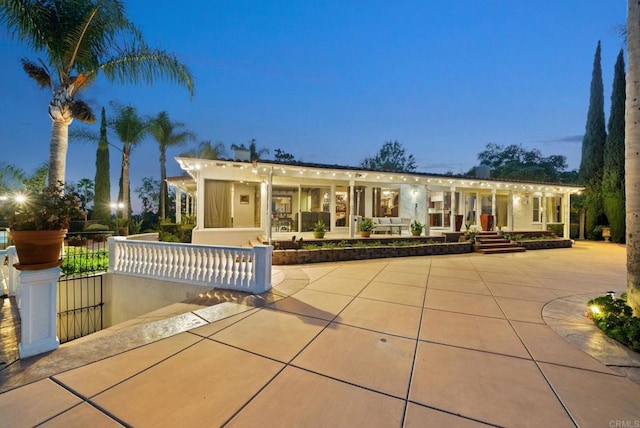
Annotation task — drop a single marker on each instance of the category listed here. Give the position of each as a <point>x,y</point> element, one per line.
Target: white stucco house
<point>235,201</point>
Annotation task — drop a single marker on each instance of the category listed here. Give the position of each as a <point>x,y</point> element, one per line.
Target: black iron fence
<point>80,288</point>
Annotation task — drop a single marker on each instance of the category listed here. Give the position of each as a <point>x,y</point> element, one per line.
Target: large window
<point>439,209</point>
<point>385,202</point>
<point>217,203</point>
<point>552,209</point>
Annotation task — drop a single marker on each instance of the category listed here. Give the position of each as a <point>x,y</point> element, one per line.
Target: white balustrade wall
<point>232,268</point>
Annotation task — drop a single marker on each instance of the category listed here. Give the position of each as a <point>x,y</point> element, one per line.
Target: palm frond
<point>81,111</point>
<point>141,63</point>
<point>26,21</point>
<point>38,73</point>
<point>83,135</point>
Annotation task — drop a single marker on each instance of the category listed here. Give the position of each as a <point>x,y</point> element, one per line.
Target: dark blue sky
<point>331,81</point>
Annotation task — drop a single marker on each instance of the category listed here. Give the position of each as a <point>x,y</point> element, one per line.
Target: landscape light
<point>595,309</point>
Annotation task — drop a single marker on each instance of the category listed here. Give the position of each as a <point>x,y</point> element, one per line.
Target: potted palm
<point>416,228</point>
<point>366,226</point>
<point>319,229</point>
<point>38,222</point>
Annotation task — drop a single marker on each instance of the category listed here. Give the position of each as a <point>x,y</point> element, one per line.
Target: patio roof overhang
<point>293,173</point>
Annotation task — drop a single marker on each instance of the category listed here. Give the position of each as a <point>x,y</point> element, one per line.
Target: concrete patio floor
<point>465,340</point>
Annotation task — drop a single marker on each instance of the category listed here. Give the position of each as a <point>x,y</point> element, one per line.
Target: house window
<point>537,209</point>
<point>385,202</point>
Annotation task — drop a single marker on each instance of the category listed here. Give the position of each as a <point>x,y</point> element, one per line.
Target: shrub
<point>557,229</point>
<point>615,318</point>
<point>76,241</point>
<point>96,227</point>
<point>79,260</point>
<point>168,237</point>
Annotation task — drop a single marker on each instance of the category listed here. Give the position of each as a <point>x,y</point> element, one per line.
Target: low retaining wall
<point>545,244</point>
<point>320,255</point>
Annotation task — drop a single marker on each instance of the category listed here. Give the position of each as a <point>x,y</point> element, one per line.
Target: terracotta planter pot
<point>365,234</point>
<point>38,249</point>
<point>486,222</point>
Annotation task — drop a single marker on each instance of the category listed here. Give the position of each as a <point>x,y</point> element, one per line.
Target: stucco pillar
<point>38,299</point>
<point>332,207</point>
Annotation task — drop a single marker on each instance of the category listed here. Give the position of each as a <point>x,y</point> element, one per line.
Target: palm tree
<point>131,129</point>
<point>78,39</point>
<point>85,188</point>
<point>632,156</point>
<point>167,134</point>
<point>207,150</point>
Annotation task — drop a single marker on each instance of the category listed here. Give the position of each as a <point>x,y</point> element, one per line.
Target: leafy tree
<point>131,129</point>
<point>149,195</point>
<point>632,160</point>
<point>102,200</point>
<point>391,157</point>
<point>78,39</point>
<point>38,178</point>
<point>282,156</point>
<point>167,134</point>
<point>516,162</point>
<point>591,164</point>
<point>613,169</point>
<point>206,150</point>
<point>11,177</point>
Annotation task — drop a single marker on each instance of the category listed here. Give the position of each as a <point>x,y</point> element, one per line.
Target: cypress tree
<point>102,199</point>
<point>613,170</point>
<point>591,164</point>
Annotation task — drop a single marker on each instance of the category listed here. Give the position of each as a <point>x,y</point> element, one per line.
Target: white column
<point>351,217</point>
<point>454,209</point>
<point>544,210</point>
<point>38,292</point>
<point>332,208</point>
<point>510,211</point>
<point>269,196</point>
<point>178,205</point>
<point>566,214</point>
<point>427,225</point>
<point>493,208</point>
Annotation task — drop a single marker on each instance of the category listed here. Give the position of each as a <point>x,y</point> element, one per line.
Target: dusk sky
<point>331,81</point>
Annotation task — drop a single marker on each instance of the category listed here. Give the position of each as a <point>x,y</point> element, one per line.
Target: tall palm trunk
<point>125,184</point>
<point>62,116</point>
<point>632,156</point>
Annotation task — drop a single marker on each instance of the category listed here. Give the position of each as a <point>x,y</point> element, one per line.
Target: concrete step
<point>501,250</point>
<point>494,245</point>
<point>492,240</point>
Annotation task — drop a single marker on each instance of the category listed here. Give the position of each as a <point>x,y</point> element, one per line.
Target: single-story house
<point>234,201</point>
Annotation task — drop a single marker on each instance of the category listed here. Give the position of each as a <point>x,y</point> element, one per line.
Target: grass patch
<point>615,318</point>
